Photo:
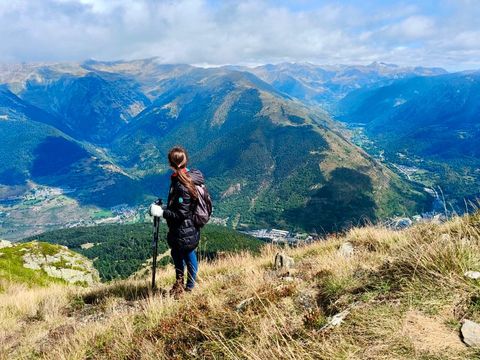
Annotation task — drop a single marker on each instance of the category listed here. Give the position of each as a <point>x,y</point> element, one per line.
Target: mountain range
<point>327,84</point>
<point>272,156</point>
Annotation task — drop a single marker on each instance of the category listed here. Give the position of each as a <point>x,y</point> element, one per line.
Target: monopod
<point>156,229</point>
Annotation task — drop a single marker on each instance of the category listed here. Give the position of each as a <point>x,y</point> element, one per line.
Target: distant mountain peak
<point>383,64</point>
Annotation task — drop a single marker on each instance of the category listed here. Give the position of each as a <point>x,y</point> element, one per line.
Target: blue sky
<point>215,32</point>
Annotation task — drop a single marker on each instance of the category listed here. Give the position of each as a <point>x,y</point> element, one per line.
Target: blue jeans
<point>182,258</point>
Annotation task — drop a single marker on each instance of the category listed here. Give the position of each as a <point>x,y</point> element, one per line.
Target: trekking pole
<point>156,229</point>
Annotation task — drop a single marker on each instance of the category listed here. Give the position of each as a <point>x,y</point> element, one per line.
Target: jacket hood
<point>197,177</point>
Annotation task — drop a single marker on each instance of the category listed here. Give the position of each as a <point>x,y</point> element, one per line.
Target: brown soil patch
<point>430,334</point>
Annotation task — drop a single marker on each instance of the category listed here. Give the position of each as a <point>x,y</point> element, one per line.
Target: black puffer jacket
<point>182,233</point>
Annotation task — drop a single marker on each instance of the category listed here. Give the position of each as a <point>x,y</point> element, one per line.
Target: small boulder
<point>346,249</point>
<point>472,275</point>
<point>438,219</point>
<point>471,333</point>
<point>283,262</point>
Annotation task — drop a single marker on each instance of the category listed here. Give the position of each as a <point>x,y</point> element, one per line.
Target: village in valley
<point>283,237</point>
<point>37,208</point>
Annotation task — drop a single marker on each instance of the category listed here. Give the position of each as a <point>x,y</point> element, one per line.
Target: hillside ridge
<point>369,293</point>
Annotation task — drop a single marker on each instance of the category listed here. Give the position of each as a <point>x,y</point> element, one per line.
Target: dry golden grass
<point>405,293</point>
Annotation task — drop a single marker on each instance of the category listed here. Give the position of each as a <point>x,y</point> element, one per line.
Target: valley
<point>100,131</point>
<point>425,124</point>
<point>274,155</point>
<point>41,208</point>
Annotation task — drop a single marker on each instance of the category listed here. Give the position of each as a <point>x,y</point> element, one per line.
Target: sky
<point>442,33</point>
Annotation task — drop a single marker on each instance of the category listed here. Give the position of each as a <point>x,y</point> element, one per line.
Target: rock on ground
<point>244,304</point>
<point>337,319</point>
<point>402,223</point>
<point>346,249</point>
<point>471,333</point>
<point>473,274</point>
<point>283,261</point>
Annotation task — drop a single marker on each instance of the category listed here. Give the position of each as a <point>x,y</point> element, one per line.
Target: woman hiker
<point>183,236</point>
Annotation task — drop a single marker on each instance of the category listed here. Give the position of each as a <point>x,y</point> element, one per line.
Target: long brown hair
<point>178,159</point>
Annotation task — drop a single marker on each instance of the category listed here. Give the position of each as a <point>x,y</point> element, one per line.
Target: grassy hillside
<point>118,251</point>
<point>403,294</point>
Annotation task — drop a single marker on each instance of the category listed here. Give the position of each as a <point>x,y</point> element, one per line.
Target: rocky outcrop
<point>233,189</point>
<point>5,244</point>
<point>59,262</point>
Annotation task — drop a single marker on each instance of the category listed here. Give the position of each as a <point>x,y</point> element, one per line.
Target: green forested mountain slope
<point>33,150</point>
<point>92,107</point>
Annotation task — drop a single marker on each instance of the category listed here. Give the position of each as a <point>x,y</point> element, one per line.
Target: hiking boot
<point>177,290</point>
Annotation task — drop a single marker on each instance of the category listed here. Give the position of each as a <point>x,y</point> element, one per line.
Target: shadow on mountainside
<point>62,163</point>
<point>345,200</point>
<point>12,177</point>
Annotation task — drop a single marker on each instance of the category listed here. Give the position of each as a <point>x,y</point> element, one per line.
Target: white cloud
<point>220,32</point>
<point>413,27</point>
